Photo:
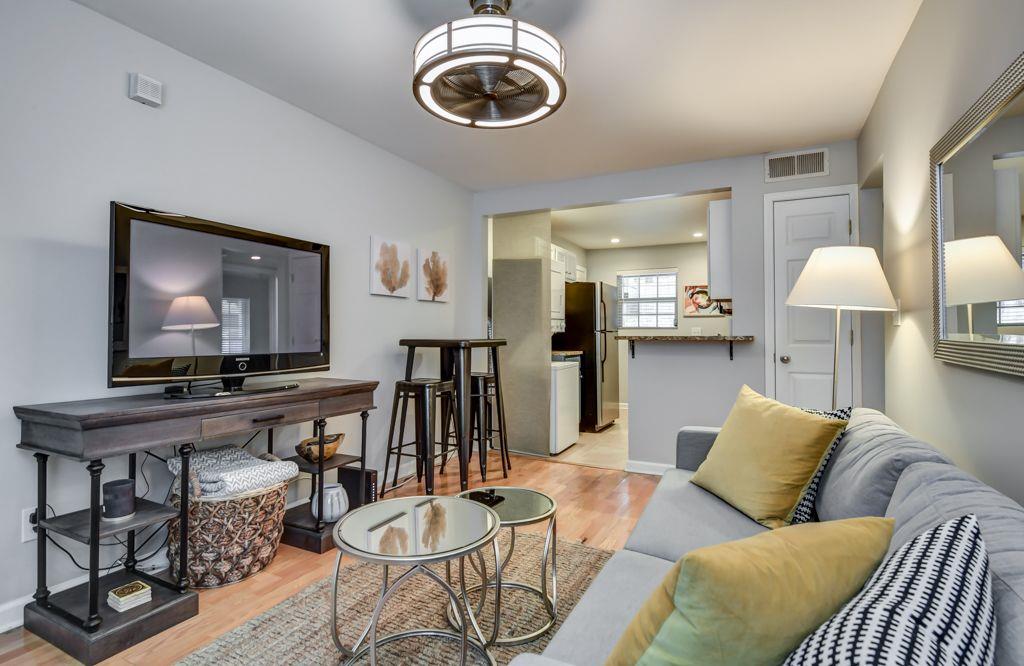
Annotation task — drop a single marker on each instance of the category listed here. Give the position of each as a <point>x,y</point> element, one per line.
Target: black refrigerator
<point>591,311</point>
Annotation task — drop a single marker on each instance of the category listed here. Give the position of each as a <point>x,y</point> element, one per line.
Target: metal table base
<point>369,634</point>
<point>490,582</point>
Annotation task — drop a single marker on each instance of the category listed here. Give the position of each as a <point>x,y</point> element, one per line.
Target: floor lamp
<point>190,313</point>
<point>980,270</point>
<point>842,278</point>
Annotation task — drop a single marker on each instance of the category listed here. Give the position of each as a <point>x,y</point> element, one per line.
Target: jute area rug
<point>297,631</point>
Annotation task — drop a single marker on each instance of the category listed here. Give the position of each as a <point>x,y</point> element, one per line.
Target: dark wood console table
<point>89,431</point>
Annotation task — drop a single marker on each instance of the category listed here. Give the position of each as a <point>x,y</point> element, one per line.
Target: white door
<point>804,337</point>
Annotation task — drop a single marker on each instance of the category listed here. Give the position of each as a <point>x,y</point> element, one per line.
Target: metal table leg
<point>369,634</point>
<point>550,600</point>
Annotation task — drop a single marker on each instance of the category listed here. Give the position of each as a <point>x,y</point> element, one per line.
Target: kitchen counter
<point>565,353</point>
<point>723,339</point>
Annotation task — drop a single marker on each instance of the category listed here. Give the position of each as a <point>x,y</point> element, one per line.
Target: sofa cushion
<point>765,457</point>
<point>928,604</point>
<point>931,493</point>
<point>591,630</point>
<point>681,516</point>
<point>862,474</point>
<point>753,600</point>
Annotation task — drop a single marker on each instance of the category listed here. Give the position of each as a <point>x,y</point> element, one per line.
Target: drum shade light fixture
<point>489,70</point>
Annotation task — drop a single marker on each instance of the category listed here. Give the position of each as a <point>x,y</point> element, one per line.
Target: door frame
<point>770,199</point>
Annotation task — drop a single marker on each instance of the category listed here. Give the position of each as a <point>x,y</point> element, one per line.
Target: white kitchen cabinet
<point>581,273</point>
<point>568,261</point>
<point>570,266</point>
<point>557,290</point>
<point>565,405</point>
<point>720,249</point>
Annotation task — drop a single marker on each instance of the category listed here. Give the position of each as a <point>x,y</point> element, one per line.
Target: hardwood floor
<point>595,506</point>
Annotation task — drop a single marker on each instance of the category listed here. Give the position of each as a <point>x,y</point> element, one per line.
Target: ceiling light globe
<point>489,71</point>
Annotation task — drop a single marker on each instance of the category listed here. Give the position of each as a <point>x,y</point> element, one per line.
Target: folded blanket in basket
<point>229,470</point>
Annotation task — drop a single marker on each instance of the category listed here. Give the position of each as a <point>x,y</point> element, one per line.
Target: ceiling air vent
<point>802,164</point>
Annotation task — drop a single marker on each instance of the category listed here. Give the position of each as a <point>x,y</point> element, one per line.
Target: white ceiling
<point>649,83</point>
<point>661,221</point>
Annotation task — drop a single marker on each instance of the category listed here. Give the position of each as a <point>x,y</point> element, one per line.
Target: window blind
<point>234,325</point>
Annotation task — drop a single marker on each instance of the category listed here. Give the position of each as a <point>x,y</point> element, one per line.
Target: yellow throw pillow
<point>765,457</point>
<point>754,600</point>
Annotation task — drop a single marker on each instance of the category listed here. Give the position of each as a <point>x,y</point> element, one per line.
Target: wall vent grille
<point>145,89</point>
<point>802,164</point>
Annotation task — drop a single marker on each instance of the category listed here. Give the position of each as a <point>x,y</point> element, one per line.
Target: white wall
<point>681,396</point>
<point>690,259</point>
<point>220,149</point>
<point>952,53</point>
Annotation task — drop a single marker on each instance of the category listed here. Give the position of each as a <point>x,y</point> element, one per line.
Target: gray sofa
<point>877,470</point>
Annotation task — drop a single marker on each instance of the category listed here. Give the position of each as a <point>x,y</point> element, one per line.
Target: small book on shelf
<point>129,596</point>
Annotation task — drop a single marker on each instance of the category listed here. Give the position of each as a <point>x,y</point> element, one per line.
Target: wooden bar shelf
<point>75,525</point>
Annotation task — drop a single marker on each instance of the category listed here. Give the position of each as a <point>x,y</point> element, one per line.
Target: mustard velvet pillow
<point>754,600</point>
<point>765,457</point>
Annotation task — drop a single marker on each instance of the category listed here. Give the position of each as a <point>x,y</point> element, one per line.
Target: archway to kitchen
<point>566,285</point>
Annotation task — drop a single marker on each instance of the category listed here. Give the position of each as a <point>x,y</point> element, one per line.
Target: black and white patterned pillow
<point>930,602</point>
<point>803,512</point>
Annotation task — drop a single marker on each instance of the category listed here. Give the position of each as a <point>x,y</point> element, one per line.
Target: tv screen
<point>194,299</point>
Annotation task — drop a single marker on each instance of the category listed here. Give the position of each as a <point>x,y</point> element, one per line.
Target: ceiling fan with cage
<point>489,70</point>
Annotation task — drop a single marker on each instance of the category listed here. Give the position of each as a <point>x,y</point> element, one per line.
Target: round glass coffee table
<point>414,532</point>
<point>515,507</point>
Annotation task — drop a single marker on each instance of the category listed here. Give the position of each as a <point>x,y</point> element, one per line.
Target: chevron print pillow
<point>930,602</point>
<point>803,512</point>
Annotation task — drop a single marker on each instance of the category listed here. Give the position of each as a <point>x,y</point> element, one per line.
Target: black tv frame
<point>233,368</point>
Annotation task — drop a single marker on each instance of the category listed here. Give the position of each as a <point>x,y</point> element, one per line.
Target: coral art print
<point>390,268</point>
<point>434,276</point>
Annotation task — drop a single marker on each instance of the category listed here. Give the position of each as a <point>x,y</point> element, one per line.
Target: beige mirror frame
<point>995,357</point>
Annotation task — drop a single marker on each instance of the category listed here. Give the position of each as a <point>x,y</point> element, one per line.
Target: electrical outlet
<point>28,526</point>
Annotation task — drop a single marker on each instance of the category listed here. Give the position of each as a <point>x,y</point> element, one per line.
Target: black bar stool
<point>425,394</point>
<point>485,395</point>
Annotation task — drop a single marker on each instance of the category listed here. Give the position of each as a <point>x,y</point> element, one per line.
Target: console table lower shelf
<point>117,631</point>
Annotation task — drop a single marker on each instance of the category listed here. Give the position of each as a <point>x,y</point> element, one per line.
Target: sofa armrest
<point>527,659</point>
<point>693,444</point>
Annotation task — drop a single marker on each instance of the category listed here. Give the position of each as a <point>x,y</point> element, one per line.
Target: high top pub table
<point>456,365</point>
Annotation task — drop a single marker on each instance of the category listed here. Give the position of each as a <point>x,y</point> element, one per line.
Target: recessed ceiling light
<point>615,240</point>
<point>698,234</point>
<point>255,257</point>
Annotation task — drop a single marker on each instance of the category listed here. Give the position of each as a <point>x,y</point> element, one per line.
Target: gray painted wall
<point>952,53</point>
<point>521,285</point>
<point>220,149</point>
<point>690,259</point>
<point>872,324</point>
<point>702,390</point>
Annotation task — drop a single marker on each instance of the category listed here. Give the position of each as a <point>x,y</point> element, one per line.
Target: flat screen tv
<point>198,301</point>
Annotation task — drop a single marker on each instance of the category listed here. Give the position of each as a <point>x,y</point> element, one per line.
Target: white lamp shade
<point>981,270</point>
<point>188,313</point>
<point>845,277</point>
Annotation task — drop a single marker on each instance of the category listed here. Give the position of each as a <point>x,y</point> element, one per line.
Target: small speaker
<point>145,89</point>
<point>119,499</point>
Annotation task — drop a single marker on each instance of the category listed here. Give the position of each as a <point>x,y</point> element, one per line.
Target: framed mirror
<point>977,192</point>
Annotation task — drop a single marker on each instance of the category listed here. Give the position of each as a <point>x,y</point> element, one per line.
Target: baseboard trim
<point>12,613</point>
<point>643,467</point>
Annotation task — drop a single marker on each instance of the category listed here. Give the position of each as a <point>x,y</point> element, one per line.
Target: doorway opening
<point>565,285</point>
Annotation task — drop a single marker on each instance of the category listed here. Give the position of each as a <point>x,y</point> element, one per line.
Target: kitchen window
<point>648,299</point>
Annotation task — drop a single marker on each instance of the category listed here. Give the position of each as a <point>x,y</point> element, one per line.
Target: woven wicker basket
<point>230,538</point>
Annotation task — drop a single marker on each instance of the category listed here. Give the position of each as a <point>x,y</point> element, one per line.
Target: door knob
<point>785,358</point>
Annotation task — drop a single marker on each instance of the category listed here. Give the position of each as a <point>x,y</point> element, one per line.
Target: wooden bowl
<point>309,449</point>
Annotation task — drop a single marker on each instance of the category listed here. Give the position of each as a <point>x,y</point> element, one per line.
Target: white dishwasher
<point>565,405</point>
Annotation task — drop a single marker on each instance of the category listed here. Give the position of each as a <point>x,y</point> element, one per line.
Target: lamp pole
<point>835,359</point>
